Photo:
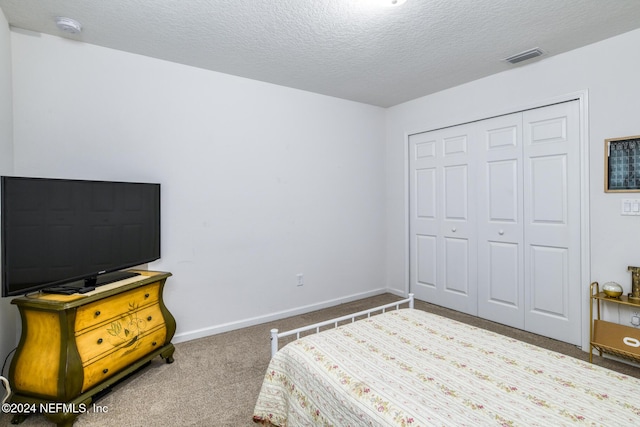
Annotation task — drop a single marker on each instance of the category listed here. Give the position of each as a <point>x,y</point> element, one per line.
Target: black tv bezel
<point>80,283</point>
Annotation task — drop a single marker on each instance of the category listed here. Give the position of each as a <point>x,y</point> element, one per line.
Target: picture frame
<point>622,164</point>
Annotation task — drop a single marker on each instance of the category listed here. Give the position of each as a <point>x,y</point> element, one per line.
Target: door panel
<point>500,234</point>
<point>548,176</point>
<point>456,257</point>
<point>458,244</point>
<point>546,130</point>
<point>502,182</point>
<point>427,257</point>
<point>455,145</point>
<point>504,269</point>
<point>456,193</point>
<point>549,282</point>
<point>425,149</point>
<point>442,246</point>
<point>424,226</point>
<point>426,190</point>
<point>552,222</point>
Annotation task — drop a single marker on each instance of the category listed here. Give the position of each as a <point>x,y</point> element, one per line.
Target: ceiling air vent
<point>523,56</point>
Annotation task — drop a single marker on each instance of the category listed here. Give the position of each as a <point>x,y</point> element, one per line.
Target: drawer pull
<point>146,295</point>
<point>149,319</point>
<point>99,340</point>
<point>105,370</point>
<point>631,342</point>
<point>97,313</point>
<point>154,343</point>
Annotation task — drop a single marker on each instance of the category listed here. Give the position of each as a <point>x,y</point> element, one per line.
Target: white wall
<point>608,71</point>
<point>262,182</point>
<point>8,315</point>
<point>259,182</point>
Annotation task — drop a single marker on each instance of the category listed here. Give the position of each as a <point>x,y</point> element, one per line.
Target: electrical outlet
<point>300,278</point>
<point>635,319</point>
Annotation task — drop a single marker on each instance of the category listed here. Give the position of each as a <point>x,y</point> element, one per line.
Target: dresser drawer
<point>123,331</point>
<point>122,357</point>
<point>95,313</point>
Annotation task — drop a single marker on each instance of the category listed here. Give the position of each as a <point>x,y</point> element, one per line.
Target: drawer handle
<point>97,313</point>
<point>149,319</point>
<point>154,343</point>
<point>631,342</point>
<point>501,232</point>
<point>99,340</point>
<point>105,370</point>
<point>146,295</point>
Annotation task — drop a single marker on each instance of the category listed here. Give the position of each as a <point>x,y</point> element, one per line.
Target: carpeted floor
<point>215,381</point>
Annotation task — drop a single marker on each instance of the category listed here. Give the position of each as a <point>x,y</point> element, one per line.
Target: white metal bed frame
<point>275,335</point>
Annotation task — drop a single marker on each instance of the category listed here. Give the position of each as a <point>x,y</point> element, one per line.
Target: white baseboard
<point>397,292</point>
<point>226,327</point>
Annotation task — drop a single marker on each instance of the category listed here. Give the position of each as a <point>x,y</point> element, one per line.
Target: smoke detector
<point>68,25</point>
<point>523,56</point>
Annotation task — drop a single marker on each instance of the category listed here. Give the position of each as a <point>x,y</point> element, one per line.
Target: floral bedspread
<point>413,368</point>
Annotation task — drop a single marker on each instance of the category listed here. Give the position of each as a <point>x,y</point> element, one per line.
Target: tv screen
<point>64,235</point>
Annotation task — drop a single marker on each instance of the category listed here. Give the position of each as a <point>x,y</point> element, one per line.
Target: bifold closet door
<point>551,141</point>
<point>495,219</point>
<point>500,220</point>
<point>442,226</point>
<point>529,221</point>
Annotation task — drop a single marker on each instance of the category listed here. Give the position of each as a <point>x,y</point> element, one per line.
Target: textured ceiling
<point>352,49</point>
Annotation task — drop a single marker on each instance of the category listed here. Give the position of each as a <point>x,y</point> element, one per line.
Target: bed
<point>408,367</point>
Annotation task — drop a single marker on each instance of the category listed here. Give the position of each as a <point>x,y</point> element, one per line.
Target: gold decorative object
<point>634,296</point>
<point>612,289</point>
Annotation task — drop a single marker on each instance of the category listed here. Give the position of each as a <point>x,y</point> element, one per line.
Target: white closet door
<point>443,231</point>
<point>495,219</point>
<point>500,221</point>
<point>424,221</point>
<point>552,221</point>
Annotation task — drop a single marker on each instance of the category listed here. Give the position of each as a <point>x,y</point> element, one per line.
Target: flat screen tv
<point>66,236</point>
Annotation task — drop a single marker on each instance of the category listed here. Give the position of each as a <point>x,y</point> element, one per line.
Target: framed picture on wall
<point>622,164</point>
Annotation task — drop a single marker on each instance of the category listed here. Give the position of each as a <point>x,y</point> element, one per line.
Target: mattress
<point>412,368</point>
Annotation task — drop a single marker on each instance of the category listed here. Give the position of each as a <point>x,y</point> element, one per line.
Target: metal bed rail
<point>275,335</point>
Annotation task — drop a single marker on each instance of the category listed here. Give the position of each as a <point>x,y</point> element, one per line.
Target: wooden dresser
<point>75,346</point>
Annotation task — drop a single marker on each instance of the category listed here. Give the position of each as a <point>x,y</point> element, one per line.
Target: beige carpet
<point>215,381</point>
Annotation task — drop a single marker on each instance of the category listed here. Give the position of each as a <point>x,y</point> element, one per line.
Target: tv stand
<point>73,347</point>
